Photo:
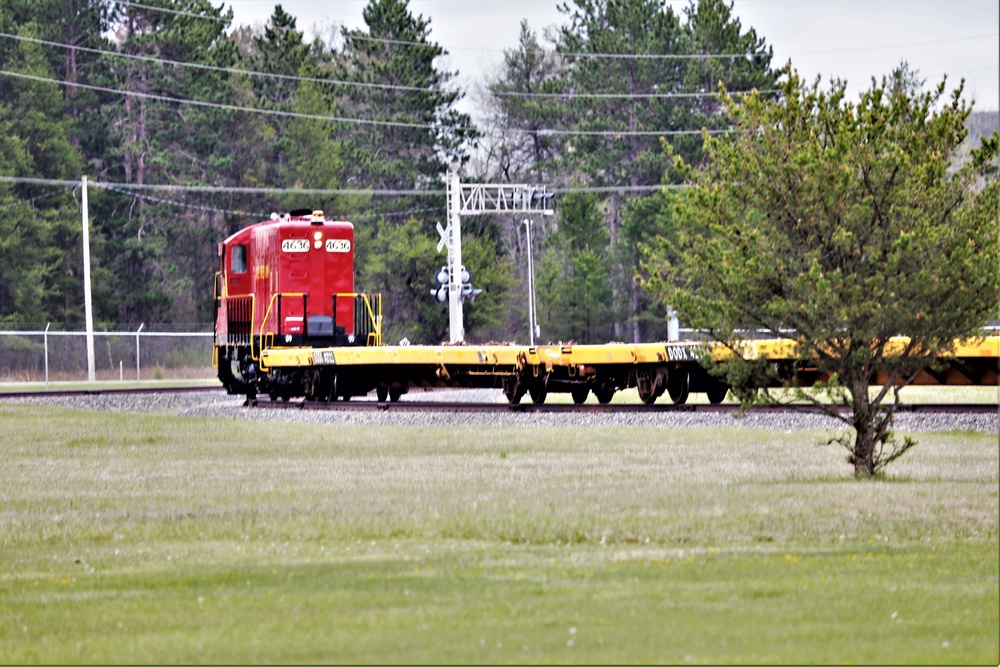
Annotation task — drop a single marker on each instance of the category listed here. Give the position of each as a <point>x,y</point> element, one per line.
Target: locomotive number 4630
<point>338,245</point>
<point>295,245</point>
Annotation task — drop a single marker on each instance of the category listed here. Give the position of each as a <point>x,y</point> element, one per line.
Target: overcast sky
<point>850,39</point>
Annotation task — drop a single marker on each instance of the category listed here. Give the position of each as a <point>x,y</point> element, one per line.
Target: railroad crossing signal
<point>475,199</point>
<point>443,278</point>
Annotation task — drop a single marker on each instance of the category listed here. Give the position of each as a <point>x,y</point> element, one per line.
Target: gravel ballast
<point>214,404</point>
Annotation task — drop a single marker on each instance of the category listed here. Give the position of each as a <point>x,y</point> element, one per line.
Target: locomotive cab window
<point>238,264</point>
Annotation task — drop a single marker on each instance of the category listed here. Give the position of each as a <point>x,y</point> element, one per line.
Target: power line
<point>338,82</point>
<point>340,119</point>
<point>170,11</point>
<point>198,207</point>
<point>24,202</point>
<point>214,68</point>
<point>667,96</point>
<point>129,188</point>
<point>227,107</point>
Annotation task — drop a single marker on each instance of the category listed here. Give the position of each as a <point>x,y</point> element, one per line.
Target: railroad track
<point>433,406</point>
<point>109,392</point>
<point>526,407</point>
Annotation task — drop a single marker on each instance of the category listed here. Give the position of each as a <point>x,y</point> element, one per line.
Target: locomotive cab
<point>288,282</point>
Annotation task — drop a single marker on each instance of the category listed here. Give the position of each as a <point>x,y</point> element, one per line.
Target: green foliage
<point>847,223</point>
<point>633,160</point>
<point>574,295</point>
<point>523,150</point>
<point>396,51</point>
<point>400,261</point>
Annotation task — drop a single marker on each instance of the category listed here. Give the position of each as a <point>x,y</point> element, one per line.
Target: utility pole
<point>479,199</point>
<point>87,304</point>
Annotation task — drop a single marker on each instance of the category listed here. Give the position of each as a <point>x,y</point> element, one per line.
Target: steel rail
<point>461,406</point>
<point>433,406</point>
<point>108,391</point>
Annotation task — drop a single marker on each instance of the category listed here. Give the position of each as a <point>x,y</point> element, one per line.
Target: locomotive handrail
<point>376,321</point>
<point>267,339</point>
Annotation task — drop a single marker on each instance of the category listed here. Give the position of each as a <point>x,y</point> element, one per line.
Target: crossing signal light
<point>540,199</point>
<point>442,278</point>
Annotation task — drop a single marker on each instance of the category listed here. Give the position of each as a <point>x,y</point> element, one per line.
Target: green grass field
<point>154,539</point>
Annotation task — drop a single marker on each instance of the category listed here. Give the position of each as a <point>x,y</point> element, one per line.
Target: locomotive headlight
<point>318,236</point>
<point>350,339</point>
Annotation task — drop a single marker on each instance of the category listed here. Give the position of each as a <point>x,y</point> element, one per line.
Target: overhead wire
<point>335,82</point>
<point>179,12</point>
<point>342,119</point>
<point>160,200</point>
<point>132,187</point>
<point>216,68</point>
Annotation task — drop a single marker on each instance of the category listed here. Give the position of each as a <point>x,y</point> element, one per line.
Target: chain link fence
<point>158,352</point>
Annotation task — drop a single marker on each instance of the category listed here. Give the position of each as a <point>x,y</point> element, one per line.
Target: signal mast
<point>454,280</point>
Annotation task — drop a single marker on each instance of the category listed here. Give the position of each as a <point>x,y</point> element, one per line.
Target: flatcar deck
<point>652,368</point>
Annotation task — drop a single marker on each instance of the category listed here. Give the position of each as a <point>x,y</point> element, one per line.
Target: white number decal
<point>295,245</point>
<point>338,245</point>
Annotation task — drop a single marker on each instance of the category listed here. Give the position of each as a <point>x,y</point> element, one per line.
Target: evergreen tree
<point>574,301</point>
<point>41,249</point>
<point>645,48</point>
<point>520,149</point>
<point>422,132</point>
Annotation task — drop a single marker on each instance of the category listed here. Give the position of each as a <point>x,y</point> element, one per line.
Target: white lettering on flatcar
<point>321,357</point>
<point>295,245</point>
<point>680,353</point>
<point>338,245</point>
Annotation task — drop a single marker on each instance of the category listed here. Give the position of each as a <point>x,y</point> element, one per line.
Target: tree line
<point>172,93</point>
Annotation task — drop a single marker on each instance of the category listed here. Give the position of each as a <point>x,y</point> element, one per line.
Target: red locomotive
<point>287,282</point>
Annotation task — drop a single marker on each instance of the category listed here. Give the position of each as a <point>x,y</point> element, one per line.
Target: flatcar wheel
<point>513,389</point>
<point>395,393</point>
<point>580,395</point>
<point>645,382</point>
<point>717,392</point>
<point>604,394</point>
<point>381,393</point>
<point>679,386</point>
<point>538,392</point>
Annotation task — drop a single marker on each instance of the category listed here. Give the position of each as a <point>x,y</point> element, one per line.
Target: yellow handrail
<point>267,313</point>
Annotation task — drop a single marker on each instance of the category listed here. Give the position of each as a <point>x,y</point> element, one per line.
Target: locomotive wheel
<point>395,393</point>
<point>679,386</point>
<point>604,394</point>
<point>580,395</point>
<point>381,393</point>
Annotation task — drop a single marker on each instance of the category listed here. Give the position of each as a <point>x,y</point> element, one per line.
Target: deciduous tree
<point>838,225</point>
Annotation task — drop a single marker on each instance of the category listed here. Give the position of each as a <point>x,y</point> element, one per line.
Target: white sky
<point>850,39</point>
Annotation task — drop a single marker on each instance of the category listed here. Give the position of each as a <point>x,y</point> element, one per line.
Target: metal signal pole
<point>481,199</point>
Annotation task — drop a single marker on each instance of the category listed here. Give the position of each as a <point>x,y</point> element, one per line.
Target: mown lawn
<point>139,539</point>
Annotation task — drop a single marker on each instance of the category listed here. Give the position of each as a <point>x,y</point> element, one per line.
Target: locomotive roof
<point>302,215</point>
